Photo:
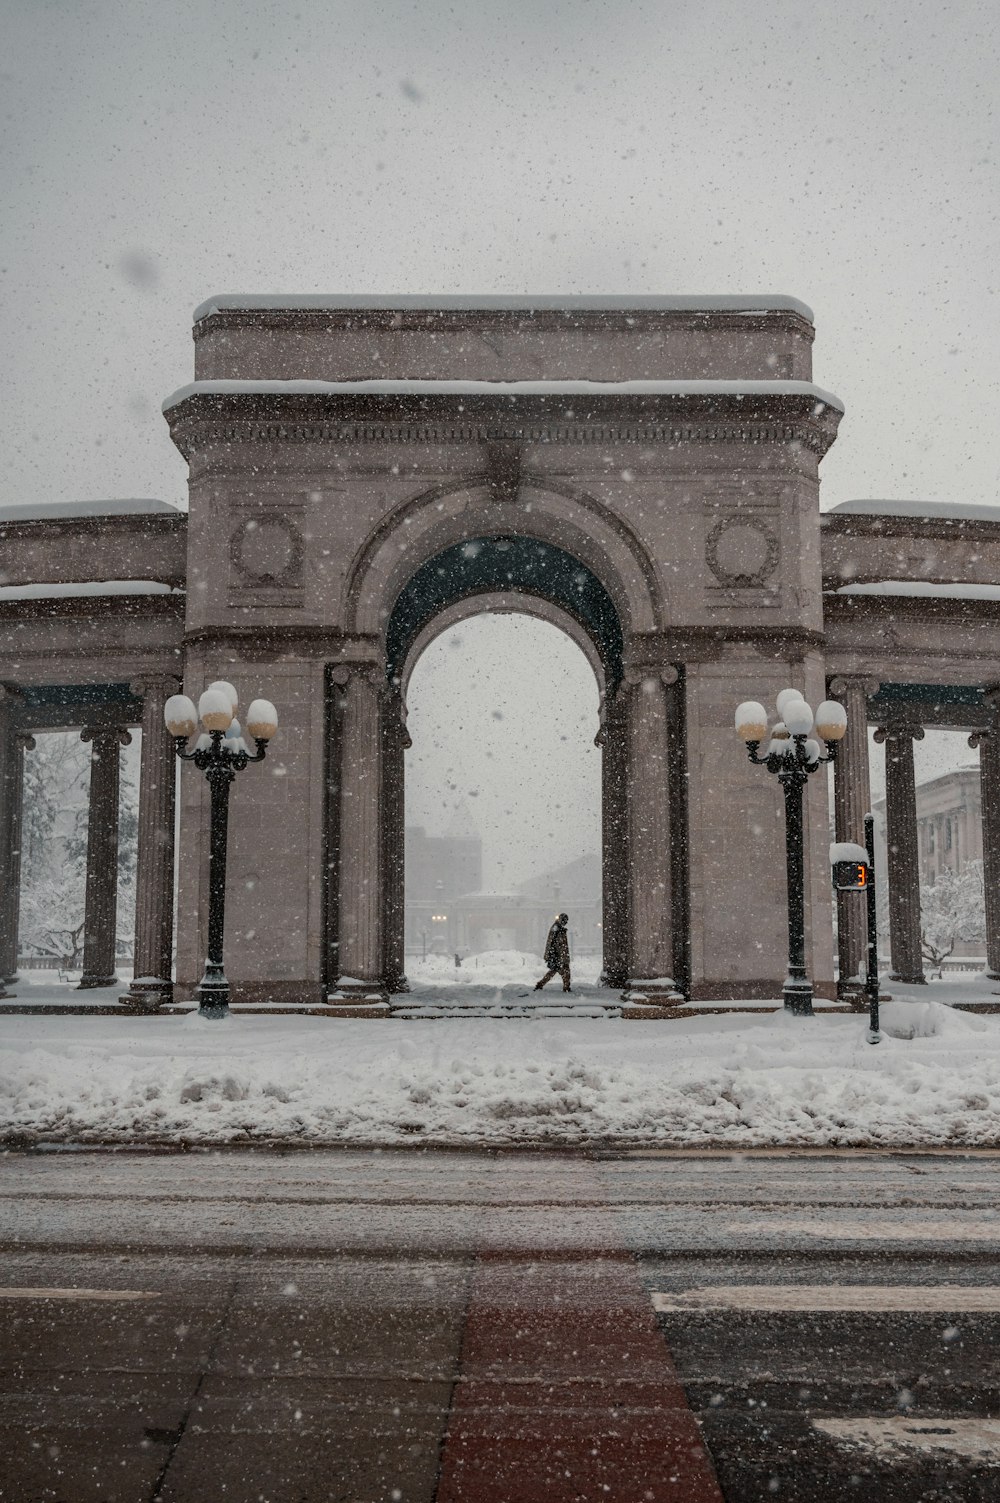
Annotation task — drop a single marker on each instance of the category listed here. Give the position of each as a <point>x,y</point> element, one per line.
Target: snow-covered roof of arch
<point>504,303</point>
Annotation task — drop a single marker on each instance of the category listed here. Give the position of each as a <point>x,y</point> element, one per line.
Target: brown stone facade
<point>345,454</point>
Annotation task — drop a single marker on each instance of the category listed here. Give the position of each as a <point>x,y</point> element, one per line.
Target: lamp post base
<point>213,993</point>
<point>797,993</point>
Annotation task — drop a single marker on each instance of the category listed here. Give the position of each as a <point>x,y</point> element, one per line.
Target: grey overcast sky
<point>154,153</point>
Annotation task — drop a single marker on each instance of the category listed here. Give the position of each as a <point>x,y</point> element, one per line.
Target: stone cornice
<point>875,525</point>
<point>630,320</point>
<point>349,418</point>
<point>953,608</point>
<point>109,525</point>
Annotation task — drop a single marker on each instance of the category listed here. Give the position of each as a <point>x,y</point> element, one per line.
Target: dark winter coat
<point>557,947</point>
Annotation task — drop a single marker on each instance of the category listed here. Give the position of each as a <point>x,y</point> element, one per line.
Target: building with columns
<point>364,472</point>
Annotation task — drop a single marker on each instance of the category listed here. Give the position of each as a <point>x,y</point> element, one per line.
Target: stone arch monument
<point>363,472</point>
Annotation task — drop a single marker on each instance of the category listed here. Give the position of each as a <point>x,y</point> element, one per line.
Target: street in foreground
<point>304,1327</point>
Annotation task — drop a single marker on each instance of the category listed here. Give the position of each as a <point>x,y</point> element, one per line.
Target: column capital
<point>845,683</point>
<point>25,740</point>
<point>155,683</point>
<point>343,674</point>
<point>104,732</point>
<point>899,731</point>
<point>640,673</point>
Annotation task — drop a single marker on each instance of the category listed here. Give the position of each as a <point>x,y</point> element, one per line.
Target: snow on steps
<point>501,1006</point>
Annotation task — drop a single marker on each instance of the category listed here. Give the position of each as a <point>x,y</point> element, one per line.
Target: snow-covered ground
<point>739,1080</point>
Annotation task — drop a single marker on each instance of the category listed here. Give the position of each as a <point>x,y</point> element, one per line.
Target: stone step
<point>504,1010</point>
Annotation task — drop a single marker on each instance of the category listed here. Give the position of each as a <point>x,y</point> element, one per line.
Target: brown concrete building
<point>642,472</point>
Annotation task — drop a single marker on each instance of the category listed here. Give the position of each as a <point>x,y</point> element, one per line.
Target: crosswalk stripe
<point>978,1439</point>
<point>943,1298</point>
<point>902,1229</point>
<point>68,1294</point>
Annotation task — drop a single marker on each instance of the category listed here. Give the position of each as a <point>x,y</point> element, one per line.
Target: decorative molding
<point>503,472</point>
<point>722,537</point>
<point>96,733</point>
<point>190,435</point>
<point>844,683</point>
<point>155,683</point>
<point>275,577</point>
<point>897,731</point>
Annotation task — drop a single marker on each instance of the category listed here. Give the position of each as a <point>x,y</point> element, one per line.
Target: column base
<point>148,994</point>
<point>658,990</point>
<point>918,980</point>
<point>853,993</point>
<point>350,989</point>
<point>90,979</point>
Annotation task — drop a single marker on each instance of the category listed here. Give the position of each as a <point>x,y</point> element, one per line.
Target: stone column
<point>395,741</point>
<point>613,740</point>
<point>650,931</point>
<point>154,879</point>
<point>13,745</point>
<point>361,847</point>
<point>989,776</point>
<point>903,856</point>
<point>851,802</point>
<point>101,912</point>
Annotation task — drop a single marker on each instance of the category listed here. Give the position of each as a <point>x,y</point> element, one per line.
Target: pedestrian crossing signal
<point>851,876</point>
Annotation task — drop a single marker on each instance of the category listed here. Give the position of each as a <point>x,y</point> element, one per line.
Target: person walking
<point>557,953</point>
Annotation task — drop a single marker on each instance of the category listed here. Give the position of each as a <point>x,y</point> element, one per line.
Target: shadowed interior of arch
<point>512,565</point>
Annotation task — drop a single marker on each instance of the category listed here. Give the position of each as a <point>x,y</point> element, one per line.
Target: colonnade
<point>106,729</point>
<point>643,821</point>
<point>852,799</point>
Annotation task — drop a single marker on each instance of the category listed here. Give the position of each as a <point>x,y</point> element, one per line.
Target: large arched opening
<point>545,588</point>
<point>502,799</point>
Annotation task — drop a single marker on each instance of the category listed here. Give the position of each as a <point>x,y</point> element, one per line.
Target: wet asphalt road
<point>379,1327</point>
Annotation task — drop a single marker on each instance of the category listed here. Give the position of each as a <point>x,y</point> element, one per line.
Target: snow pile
<point>730,1081</point>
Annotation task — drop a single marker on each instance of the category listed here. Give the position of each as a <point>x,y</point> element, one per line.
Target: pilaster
<point>154,897</point>
<point>650,936</point>
<point>361,958</point>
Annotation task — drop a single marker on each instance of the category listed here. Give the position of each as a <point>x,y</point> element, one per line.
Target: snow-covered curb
<point>729,1081</point>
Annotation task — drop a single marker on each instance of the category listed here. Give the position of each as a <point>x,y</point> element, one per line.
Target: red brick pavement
<point>567,1393</point>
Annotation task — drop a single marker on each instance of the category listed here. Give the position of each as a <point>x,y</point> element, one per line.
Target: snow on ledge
<point>924,588</point>
<point>565,389</point>
<point>929,509</point>
<point>500,303</point>
<point>54,511</point>
<point>87,587</point>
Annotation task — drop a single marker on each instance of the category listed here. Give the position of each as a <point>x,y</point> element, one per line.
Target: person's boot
<point>538,986</point>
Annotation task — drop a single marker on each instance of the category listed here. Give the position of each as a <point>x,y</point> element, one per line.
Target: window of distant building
<point>947,834</point>
<point>930,839</point>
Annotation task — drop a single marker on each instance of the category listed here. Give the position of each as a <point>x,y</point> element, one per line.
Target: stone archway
<point>644,882</point>
<point>504,575</point>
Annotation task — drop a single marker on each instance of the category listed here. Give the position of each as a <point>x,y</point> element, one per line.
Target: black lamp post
<point>220,753</point>
<point>793,755</point>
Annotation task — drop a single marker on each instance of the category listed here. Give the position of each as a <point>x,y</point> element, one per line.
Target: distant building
<point>458,917</point>
<point>438,869</point>
<point>949,823</point>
